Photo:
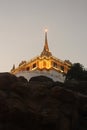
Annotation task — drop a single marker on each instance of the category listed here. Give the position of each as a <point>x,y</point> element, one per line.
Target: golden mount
<point>46,61</point>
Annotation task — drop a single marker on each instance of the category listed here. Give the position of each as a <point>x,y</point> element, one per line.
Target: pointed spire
<point>46,51</point>
<point>46,48</point>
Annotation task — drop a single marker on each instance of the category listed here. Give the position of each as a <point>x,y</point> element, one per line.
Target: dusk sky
<point>22,24</point>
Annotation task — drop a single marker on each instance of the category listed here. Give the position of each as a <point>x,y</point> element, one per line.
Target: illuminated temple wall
<point>41,63</point>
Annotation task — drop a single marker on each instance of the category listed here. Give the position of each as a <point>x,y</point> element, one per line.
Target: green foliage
<point>77,72</point>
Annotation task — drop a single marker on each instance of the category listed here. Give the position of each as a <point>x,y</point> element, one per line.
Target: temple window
<point>62,68</point>
<point>55,64</point>
<point>28,68</point>
<point>34,65</point>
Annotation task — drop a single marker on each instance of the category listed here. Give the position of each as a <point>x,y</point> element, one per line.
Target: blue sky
<point>22,24</point>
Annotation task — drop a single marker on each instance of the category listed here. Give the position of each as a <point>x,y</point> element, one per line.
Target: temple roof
<point>46,51</point>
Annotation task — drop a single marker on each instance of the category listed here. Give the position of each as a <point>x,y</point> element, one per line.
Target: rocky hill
<point>42,104</point>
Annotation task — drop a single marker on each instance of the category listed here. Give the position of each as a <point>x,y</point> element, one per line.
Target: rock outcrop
<point>41,104</point>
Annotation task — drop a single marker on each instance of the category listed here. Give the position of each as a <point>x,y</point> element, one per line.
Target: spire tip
<point>46,30</point>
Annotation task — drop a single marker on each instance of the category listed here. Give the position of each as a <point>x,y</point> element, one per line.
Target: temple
<point>45,64</point>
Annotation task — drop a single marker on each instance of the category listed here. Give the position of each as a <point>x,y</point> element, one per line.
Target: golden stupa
<point>45,64</point>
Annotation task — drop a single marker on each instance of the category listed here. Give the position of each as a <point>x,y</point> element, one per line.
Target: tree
<point>76,72</point>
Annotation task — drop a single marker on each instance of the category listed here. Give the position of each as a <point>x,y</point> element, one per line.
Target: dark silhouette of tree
<point>85,75</point>
<point>77,72</point>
